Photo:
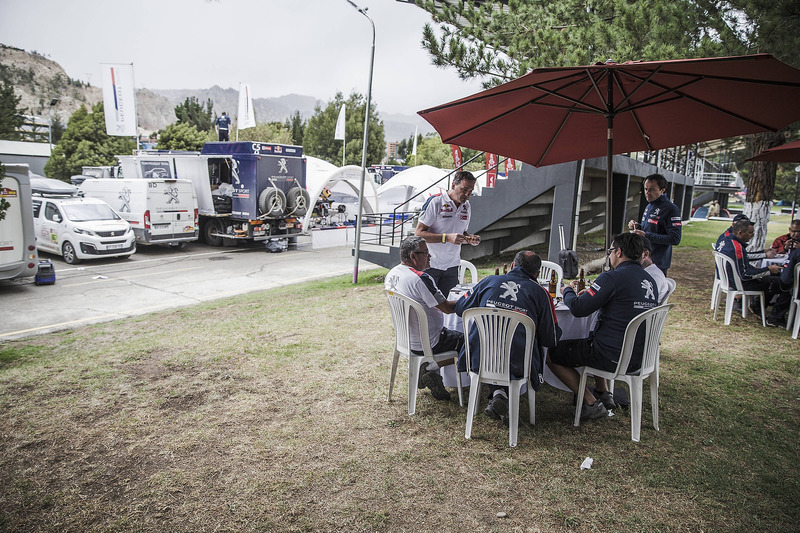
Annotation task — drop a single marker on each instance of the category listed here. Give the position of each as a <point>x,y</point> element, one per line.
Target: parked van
<point>77,228</point>
<point>159,211</point>
<point>18,257</point>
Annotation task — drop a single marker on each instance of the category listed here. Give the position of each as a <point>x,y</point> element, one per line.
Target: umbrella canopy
<point>786,153</point>
<point>555,115</point>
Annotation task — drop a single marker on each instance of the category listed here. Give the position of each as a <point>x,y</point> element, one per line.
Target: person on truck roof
<point>222,125</point>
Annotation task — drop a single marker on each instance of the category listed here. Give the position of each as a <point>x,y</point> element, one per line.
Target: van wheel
<point>297,200</point>
<point>213,226</point>
<point>272,202</point>
<point>70,256</point>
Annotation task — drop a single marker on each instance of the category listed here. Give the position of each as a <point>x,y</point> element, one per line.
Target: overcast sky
<point>279,47</point>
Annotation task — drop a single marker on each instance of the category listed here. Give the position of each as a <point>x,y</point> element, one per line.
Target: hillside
<point>38,79</point>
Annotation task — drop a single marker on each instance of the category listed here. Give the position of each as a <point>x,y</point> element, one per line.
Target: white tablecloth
<point>571,328</point>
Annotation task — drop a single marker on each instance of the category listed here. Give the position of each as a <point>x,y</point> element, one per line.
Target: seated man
<point>620,294</point>
<point>409,279</point>
<point>653,270</point>
<point>786,243</point>
<point>787,274</point>
<point>755,279</point>
<point>754,256</point>
<point>518,291</point>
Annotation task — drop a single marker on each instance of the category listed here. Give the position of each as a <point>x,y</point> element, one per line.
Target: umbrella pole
<point>609,160</point>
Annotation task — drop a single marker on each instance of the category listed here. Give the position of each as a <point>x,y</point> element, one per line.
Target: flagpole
<point>364,148</point>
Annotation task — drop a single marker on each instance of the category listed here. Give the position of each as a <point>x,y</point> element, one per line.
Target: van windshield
<point>87,212</point>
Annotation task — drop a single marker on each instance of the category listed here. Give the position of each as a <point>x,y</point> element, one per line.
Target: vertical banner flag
<point>119,100</point>
<point>414,151</point>
<point>339,133</point>
<point>491,169</point>
<point>245,117</point>
<point>457,161</point>
<point>510,165</point>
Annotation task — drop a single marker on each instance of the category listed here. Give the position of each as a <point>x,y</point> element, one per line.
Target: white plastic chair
<point>546,269</point>
<point>794,306</point>
<point>465,266</point>
<point>725,278</point>
<point>715,287</point>
<point>496,329</point>
<point>401,308</point>
<point>671,284</point>
<point>653,321</point>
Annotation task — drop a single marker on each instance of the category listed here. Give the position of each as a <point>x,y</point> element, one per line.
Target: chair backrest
<point>653,320</point>
<point>796,286</point>
<point>465,266</point>
<point>671,284</point>
<point>547,268</point>
<point>405,310</point>
<point>726,276</point>
<point>496,328</point>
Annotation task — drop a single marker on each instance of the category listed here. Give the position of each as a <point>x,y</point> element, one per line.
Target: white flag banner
<point>339,133</point>
<point>414,151</point>
<point>245,116</point>
<point>119,99</point>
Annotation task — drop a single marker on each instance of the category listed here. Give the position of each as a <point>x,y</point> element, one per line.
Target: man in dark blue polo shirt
<point>620,295</point>
<point>223,124</point>
<point>661,221</point>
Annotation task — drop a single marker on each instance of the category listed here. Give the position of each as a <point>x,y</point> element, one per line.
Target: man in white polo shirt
<point>443,224</point>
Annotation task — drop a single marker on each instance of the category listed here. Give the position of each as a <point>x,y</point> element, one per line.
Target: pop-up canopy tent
<point>406,184</point>
<point>343,183</point>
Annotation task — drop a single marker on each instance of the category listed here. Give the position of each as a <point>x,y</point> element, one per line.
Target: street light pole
<point>364,149</point>
<point>53,102</point>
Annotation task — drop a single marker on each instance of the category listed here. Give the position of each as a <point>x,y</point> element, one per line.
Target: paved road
<point>157,278</point>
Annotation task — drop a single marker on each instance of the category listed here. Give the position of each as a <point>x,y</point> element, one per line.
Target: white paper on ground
<point>587,463</point>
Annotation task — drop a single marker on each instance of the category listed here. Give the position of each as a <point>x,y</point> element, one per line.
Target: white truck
<point>245,190</point>
<point>18,258</point>
<point>159,211</point>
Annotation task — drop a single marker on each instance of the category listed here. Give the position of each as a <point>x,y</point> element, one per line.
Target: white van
<point>159,211</point>
<point>80,228</point>
<point>17,238</point>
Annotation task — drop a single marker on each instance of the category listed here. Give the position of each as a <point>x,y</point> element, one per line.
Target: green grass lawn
<point>268,412</point>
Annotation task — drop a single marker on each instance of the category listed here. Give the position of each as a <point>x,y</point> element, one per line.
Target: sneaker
<point>607,398</point>
<point>433,380</point>
<point>593,412</point>
<point>776,322</point>
<point>497,408</point>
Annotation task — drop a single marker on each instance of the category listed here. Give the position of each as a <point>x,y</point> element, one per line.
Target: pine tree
<point>11,118</point>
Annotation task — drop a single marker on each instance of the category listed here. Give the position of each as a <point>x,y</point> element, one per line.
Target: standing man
<point>443,224</point>
<point>661,221</point>
<point>765,279</point>
<point>620,294</point>
<point>409,279</point>
<point>223,124</point>
<point>517,291</point>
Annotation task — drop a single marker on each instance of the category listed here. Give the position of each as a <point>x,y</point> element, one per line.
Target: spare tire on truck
<point>297,201</point>
<point>272,202</point>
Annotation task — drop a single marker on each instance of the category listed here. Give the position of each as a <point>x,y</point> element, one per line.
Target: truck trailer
<point>245,190</point>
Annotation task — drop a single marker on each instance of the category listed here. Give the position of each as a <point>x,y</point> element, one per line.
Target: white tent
<point>408,183</point>
<point>343,182</point>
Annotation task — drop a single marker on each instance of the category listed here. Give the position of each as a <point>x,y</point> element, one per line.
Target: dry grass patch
<point>240,416</point>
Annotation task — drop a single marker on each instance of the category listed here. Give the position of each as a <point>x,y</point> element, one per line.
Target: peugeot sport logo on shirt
<point>649,294</point>
<point>656,211</point>
<point>511,288</point>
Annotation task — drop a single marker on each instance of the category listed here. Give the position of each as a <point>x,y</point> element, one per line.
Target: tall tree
<point>193,113</point>
<point>85,143</point>
<point>318,138</point>
<point>11,118</point>
<point>181,136</point>
<point>495,43</point>
<point>296,126</point>
<point>271,132</point>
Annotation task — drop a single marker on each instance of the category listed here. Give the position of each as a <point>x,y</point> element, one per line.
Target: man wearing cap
<point>764,279</point>
<point>653,270</point>
<point>661,221</point>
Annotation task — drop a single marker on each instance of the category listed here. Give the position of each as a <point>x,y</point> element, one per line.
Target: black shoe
<point>755,308</point>
<point>737,306</point>
<point>607,398</point>
<point>593,412</point>
<point>497,408</point>
<point>776,322</point>
<point>433,380</point>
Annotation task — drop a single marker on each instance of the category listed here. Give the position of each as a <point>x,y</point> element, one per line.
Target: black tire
<point>297,201</point>
<point>213,226</point>
<point>69,254</point>
<point>272,202</point>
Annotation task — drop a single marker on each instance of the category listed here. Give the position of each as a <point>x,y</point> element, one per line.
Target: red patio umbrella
<point>555,115</point>
<point>786,153</point>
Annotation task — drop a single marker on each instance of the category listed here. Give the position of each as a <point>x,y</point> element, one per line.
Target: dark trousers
<point>223,135</point>
<point>445,279</point>
<point>771,285</point>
